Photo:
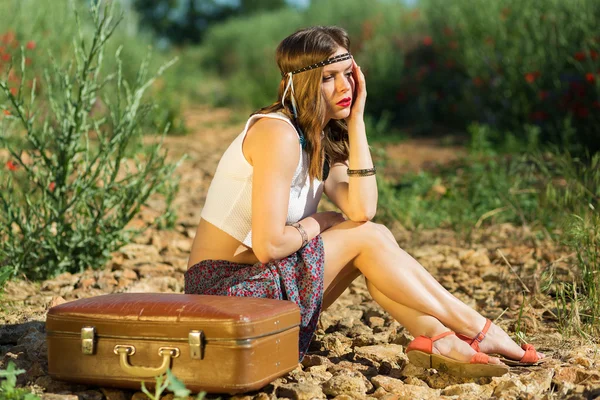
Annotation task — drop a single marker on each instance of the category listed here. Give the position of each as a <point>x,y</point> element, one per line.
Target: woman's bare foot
<point>497,341</point>
<point>456,349</point>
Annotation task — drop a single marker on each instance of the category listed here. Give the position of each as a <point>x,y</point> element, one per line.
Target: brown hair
<point>303,48</point>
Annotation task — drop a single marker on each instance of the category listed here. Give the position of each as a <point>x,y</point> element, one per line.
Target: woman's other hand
<point>360,93</point>
<point>328,219</point>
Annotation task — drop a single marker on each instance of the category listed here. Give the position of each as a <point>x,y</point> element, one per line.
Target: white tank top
<point>229,200</point>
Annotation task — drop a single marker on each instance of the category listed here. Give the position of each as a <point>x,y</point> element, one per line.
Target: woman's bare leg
<point>371,249</point>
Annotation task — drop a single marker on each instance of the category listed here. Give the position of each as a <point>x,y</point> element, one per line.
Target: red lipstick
<point>345,102</point>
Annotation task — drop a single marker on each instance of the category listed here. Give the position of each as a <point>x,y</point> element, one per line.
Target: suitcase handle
<point>124,351</point>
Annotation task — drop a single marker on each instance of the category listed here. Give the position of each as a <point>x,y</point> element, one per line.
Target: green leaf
<point>176,386</point>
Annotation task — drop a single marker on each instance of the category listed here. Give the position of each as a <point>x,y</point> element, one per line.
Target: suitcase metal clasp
<point>196,342</point>
<point>88,334</point>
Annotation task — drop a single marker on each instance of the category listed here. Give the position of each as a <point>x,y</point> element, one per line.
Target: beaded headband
<point>338,58</point>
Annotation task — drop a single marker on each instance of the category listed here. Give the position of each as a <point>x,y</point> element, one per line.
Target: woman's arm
<point>356,196</point>
<point>273,149</point>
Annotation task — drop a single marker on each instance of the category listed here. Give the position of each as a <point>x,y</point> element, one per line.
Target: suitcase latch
<point>88,334</point>
<point>196,342</point>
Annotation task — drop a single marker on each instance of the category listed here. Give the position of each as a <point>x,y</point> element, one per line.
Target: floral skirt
<point>297,277</point>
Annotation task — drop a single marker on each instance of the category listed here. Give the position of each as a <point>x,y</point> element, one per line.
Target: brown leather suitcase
<point>217,344</point>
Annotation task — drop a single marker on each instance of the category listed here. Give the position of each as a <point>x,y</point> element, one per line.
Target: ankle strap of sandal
<point>481,335</point>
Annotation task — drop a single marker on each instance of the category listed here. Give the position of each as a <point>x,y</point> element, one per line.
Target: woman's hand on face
<point>360,93</point>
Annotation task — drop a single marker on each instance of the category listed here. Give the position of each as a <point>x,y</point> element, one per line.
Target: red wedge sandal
<point>529,358</point>
<point>420,353</point>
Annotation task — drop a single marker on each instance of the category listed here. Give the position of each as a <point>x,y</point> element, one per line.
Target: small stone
<point>139,396</point>
<point>106,282</point>
<point>155,270</point>
<point>241,397</point>
<point>351,383</point>
<point>469,389</point>
<point>10,334</point>
<point>50,385</point>
<point>390,385</point>
<point>113,394</point>
<point>86,283</point>
<point>412,380</point>
<point>56,301</point>
<point>337,344</point>
<point>391,353</point>
<point>185,245</point>
<point>126,273</point>
<point>311,360</point>
<point>379,393</point>
<point>90,395</point>
<point>300,391</point>
<point>402,338</point>
<point>54,396</point>
<point>36,370</point>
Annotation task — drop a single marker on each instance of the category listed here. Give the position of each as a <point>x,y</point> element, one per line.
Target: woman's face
<point>338,87</point>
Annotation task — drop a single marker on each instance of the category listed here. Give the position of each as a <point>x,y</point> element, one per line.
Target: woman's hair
<point>301,49</point>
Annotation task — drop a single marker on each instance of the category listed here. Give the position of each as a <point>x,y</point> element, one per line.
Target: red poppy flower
<point>543,94</point>
<point>530,77</point>
<point>427,41</point>
<point>11,165</point>
<point>477,81</point>
<point>6,57</point>
<point>30,45</point>
<point>13,91</point>
<point>594,54</point>
<point>453,44</point>
<point>52,186</point>
<point>8,37</point>
<point>579,56</point>
<point>6,112</point>
<point>590,77</point>
<point>448,31</point>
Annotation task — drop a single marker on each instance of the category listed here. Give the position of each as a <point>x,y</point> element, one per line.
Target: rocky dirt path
<point>358,351</point>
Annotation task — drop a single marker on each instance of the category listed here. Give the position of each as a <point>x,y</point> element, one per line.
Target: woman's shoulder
<point>273,126</point>
<point>272,135</point>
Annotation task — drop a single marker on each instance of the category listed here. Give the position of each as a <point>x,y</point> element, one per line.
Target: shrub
<point>506,64</point>
<point>31,22</point>
<point>81,173</point>
<point>511,63</point>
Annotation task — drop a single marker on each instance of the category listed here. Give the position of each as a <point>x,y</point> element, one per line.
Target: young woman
<point>261,235</point>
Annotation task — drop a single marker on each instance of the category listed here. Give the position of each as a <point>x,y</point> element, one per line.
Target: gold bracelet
<point>303,233</point>
<point>361,172</point>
